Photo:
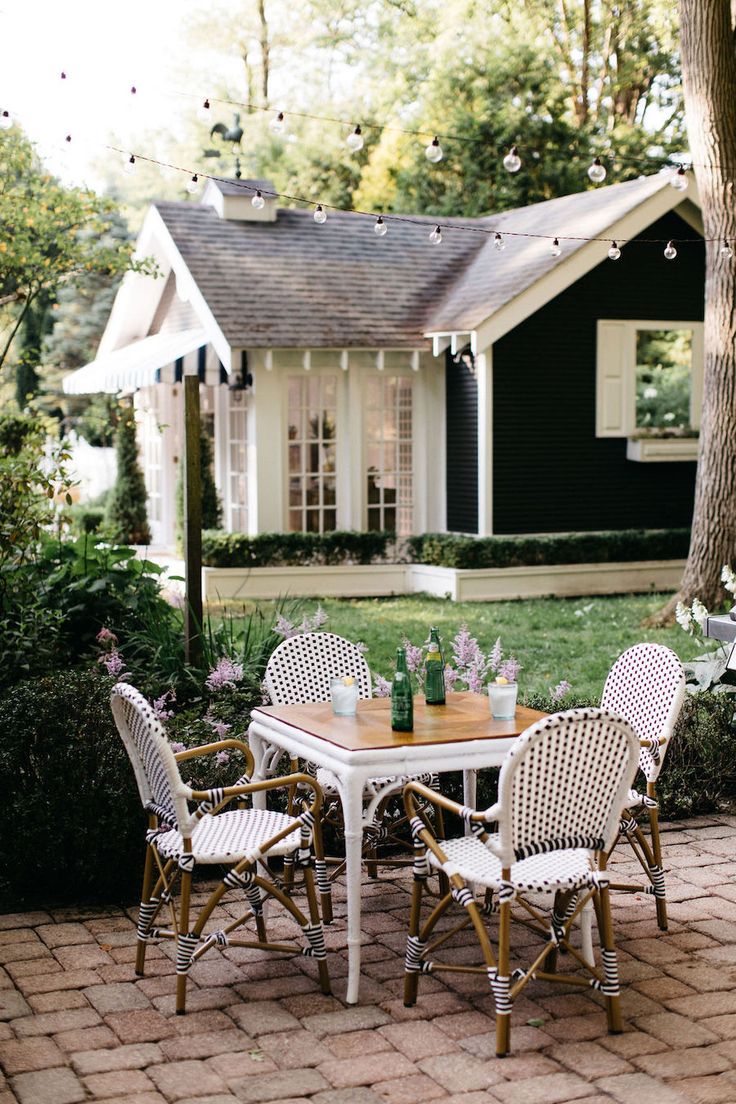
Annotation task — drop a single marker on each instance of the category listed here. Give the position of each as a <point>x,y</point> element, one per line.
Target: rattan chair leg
<point>411,977</point>
<point>314,916</point>
<point>503,1014</point>
<point>608,948</point>
<point>324,883</point>
<point>181,979</point>
<point>657,854</point>
<point>140,954</point>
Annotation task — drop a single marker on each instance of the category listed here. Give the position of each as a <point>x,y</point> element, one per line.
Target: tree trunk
<point>265,51</point>
<point>709,79</point>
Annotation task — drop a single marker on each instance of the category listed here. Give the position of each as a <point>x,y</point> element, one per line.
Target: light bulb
<point>679,180</point>
<point>193,185</point>
<point>512,161</point>
<point>614,252</point>
<point>726,250</point>
<point>6,120</point>
<point>380,228</point>
<point>320,215</point>
<point>436,236</point>
<point>258,201</point>
<point>498,243</point>
<point>670,252</point>
<point>355,140</point>
<point>63,75</point>
<point>129,164</point>
<point>597,171</point>
<point>433,152</point>
<point>133,90</point>
<point>277,123</point>
<point>555,248</point>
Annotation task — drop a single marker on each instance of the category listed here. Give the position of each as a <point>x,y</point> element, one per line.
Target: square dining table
<point>358,750</point>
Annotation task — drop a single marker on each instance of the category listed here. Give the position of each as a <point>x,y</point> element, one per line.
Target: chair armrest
<point>482,816</point>
<point>653,743</point>
<point>285,782</point>
<point>212,749</point>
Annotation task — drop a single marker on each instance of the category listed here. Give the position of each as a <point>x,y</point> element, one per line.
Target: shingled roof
<point>293,284</point>
<point>290,283</point>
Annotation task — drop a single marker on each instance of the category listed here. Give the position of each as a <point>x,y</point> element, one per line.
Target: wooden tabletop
<point>465,717</point>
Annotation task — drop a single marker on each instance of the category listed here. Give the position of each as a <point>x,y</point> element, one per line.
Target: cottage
<point>354,381</point>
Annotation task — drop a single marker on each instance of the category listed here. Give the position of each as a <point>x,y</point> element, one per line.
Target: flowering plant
<point>470,668</point>
<point>707,671</point>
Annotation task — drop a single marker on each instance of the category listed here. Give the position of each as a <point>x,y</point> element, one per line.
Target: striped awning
<point>136,365</point>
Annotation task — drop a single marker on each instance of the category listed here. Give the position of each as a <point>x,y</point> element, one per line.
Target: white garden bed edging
<point>459,584</point>
<point>340,581</point>
<point>558,580</point>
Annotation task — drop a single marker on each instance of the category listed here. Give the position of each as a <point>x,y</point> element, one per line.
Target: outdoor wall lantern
<point>241,379</point>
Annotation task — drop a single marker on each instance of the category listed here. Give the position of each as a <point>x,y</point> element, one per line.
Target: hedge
<point>220,549</point>
<point>450,550</point>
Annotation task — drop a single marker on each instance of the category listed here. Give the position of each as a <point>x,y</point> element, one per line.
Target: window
<point>237,462</point>
<point>649,379</point>
<point>312,443</point>
<point>388,415</point>
<point>152,449</point>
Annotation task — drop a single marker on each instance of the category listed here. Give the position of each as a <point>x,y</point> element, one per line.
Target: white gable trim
<point>572,268</point>
<point>135,305</point>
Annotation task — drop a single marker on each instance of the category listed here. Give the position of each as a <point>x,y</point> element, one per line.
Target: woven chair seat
<point>226,837</point>
<point>471,859</point>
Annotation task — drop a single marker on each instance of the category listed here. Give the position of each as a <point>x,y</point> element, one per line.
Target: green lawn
<point>554,638</point>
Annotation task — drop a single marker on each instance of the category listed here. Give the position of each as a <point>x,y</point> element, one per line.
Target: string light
<point>380,228</point>
<point>133,90</point>
<point>354,141</point>
<point>436,236</point>
<point>555,249</point>
<point>679,180</point>
<point>277,123</point>
<point>129,164</point>
<point>204,112</point>
<point>320,215</point>
<point>258,201</point>
<point>193,185</point>
<point>498,242</point>
<point>614,252</point>
<point>6,120</point>
<point>669,251</point>
<point>512,161</point>
<point>726,250</point>
<point>597,171</point>
<point>434,152</point>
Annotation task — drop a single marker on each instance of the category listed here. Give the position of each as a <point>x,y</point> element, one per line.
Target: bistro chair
<point>190,828</point>
<point>560,793</point>
<point>299,671</point>
<point>646,685</point>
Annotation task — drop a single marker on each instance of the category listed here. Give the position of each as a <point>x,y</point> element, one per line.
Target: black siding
<point>461,397</point>
<point>550,472</point>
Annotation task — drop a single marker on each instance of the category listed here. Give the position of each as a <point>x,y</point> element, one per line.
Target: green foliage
<point>211,505</point>
<point>220,549</point>
<point>699,769</point>
<point>125,515</point>
<point>71,823</point>
<point>448,550</point>
<point>663,379</point>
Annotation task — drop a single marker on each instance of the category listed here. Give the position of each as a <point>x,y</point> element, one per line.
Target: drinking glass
<point>344,696</point>
<point>502,700</point>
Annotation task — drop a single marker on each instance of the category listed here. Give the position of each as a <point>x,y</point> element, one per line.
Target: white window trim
<point>393,373</point>
<point>616,373</point>
<point>306,373</point>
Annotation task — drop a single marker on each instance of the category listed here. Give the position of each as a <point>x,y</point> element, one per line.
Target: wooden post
<point>192,522</point>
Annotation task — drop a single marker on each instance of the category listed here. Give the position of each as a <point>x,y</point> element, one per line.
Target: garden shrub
<point>700,769</point>
<point>220,549</point>
<point>211,505</point>
<point>125,517</point>
<point>626,545</point>
<point>71,822</point>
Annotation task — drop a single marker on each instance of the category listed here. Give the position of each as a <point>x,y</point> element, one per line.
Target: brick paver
<point>76,1024</point>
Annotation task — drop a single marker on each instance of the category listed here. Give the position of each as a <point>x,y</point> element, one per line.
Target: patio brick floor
<point>76,1025</point>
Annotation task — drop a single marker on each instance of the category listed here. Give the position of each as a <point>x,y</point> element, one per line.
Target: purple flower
<point>465,649</point>
<point>265,696</point>
<point>451,677</point>
<point>361,646</point>
<point>159,705</point>
<point>496,656</point>
<point>558,692</point>
<point>381,687</point>
<point>225,674</point>
<point>509,669</point>
<point>474,680</point>
<point>113,663</point>
<point>105,636</point>
<point>177,746</point>
<point>285,627</point>
<point>219,728</point>
<point>414,656</point>
<point>222,757</point>
<point>319,618</point>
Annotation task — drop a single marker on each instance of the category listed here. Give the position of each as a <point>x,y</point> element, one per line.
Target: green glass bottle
<point>434,638</point>
<point>434,675</point>
<point>402,702</point>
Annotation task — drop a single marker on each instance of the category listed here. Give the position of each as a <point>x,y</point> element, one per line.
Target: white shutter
<point>612,380</point>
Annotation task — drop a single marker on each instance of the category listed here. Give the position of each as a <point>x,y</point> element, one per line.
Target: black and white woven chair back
<point>300,669</point>
<point>646,685</point>
<point>564,783</point>
<point>157,773</point>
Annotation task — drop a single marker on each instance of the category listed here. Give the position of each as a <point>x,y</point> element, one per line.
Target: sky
<point>105,49</point>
